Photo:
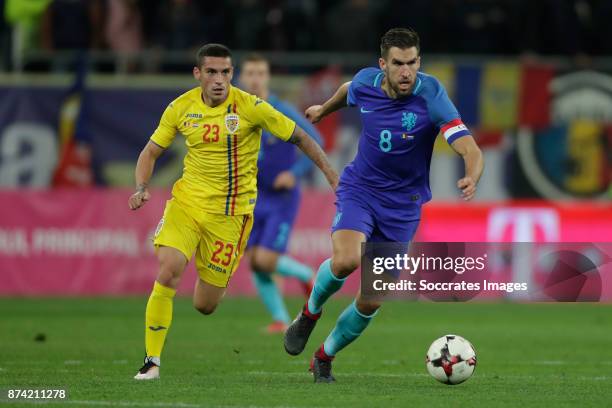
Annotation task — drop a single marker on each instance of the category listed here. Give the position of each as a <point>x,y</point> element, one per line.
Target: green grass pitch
<point>529,355</point>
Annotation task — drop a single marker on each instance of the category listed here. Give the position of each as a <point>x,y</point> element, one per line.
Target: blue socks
<point>268,290</point>
<point>349,326</point>
<point>271,296</point>
<point>326,284</point>
<point>287,266</point>
<point>351,322</point>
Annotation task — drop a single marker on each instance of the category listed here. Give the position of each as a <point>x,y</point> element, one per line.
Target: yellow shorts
<point>218,240</point>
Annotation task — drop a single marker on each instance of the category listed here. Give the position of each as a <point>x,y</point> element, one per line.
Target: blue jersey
<point>276,156</point>
<point>397,137</point>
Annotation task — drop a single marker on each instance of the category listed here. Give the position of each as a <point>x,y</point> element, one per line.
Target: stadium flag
<point>74,168</point>
<point>499,96</point>
<point>445,73</point>
<point>535,95</point>
<point>320,87</point>
<point>586,153</point>
<point>467,93</point>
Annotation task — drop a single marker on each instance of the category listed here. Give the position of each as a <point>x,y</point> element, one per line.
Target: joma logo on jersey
<point>216,268</point>
<point>232,122</point>
<point>194,115</point>
<point>409,120</point>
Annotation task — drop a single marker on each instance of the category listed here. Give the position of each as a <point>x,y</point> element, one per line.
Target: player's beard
<point>400,92</point>
<point>395,86</point>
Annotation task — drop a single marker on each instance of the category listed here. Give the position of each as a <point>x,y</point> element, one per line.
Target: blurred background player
<point>210,213</point>
<point>381,191</point>
<point>280,166</point>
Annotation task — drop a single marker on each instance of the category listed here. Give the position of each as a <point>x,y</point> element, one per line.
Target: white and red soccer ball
<point>451,359</point>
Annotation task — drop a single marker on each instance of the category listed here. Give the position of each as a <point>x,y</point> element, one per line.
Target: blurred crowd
<point>506,27</point>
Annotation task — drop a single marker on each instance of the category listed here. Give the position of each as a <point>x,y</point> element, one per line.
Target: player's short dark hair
<point>253,57</point>
<point>401,38</point>
<point>212,50</point>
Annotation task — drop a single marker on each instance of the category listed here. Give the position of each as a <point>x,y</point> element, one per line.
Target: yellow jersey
<point>220,168</point>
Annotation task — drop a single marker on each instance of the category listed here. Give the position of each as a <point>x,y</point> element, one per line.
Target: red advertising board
<point>87,242</point>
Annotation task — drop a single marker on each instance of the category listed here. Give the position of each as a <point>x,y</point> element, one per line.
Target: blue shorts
<point>274,216</point>
<point>359,210</point>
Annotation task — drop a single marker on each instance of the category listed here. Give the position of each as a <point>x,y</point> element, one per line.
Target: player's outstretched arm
<point>314,153</point>
<point>467,148</point>
<point>143,173</point>
<point>338,101</point>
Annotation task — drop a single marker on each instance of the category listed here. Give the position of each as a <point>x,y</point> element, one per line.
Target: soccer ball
<point>451,359</point>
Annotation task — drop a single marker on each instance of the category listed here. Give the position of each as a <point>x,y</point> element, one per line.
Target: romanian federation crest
<point>232,122</point>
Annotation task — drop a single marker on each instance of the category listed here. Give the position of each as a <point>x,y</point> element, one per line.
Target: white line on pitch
<point>132,404</point>
<point>405,375</point>
<point>550,362</point>
<point>109,403</point>
<point>298,362</point>
<point>388,375</point>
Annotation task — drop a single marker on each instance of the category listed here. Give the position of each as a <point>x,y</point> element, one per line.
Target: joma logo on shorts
<point>216,268</point>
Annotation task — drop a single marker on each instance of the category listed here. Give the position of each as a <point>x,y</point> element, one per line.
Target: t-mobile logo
<point>523,225</point>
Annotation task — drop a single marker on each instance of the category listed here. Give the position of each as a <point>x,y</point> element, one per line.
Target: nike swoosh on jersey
<point>157,328</point>
<point>363,110</point>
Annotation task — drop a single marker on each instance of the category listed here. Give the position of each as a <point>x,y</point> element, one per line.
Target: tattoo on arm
<point>140,188</point>
<point>314,153</point>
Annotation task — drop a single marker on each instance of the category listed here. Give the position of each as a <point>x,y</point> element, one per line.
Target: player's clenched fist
<point>468,188</point>
<point>139,198</point>
<point>314,113</point>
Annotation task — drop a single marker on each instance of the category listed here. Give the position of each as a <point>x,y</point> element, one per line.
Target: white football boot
<point>150,369</point>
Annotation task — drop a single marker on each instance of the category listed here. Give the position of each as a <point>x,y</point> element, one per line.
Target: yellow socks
<point>158,319</point>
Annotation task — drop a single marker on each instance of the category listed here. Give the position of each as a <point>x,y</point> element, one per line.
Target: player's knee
<point>169,274</point>
<point>205,308</point>
<point>344,264</point>
<point>171,266</point>
<point>367,307</point>
<point>263,262</point>
<point>168,277</point>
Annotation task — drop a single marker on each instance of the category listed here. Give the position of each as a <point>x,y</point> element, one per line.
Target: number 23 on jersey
<point>211,133</point>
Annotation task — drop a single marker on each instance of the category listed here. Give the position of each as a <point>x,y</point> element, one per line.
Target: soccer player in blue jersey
<point>381,191</point>
<point>280,167</point>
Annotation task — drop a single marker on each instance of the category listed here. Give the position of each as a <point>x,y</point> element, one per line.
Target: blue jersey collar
<point>272,99</point>
<point>417,86</point>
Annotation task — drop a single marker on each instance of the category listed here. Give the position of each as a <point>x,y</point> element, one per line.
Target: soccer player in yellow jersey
<point>210,213</point>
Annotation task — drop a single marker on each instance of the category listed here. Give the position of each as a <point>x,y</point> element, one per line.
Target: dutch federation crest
<point>232,122</point>
<point>409,120</point>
